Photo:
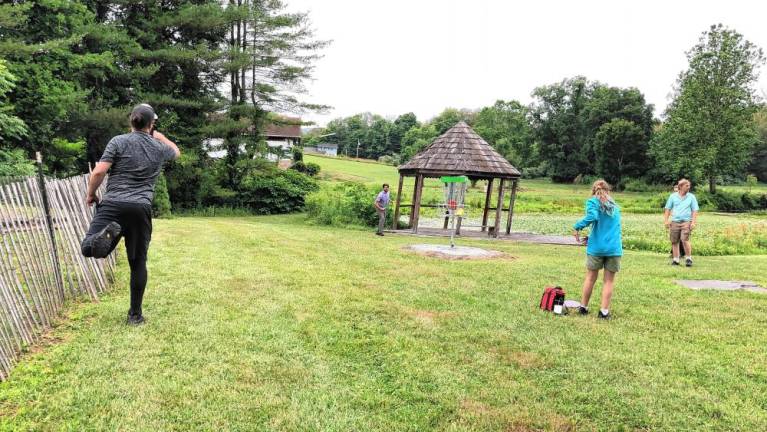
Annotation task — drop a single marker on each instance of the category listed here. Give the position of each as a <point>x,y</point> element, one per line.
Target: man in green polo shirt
<point>682,207</point>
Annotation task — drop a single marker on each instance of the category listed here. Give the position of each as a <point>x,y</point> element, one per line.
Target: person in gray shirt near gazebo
<point>382,200</point>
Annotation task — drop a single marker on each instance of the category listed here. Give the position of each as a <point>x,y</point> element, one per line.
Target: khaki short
<point>679,231</point>
<point>610,263</point>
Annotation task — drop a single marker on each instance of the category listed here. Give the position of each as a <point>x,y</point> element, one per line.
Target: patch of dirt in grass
<point>428,318</point>
<point>513,421</point>
<point>8,410</point>
<point>476,408</point>
<point>302,316</point>
<point>521,359</point>
<point>345,177</point>
<point>46,340</point>
<point>240,284</point>
<point>560,423</point>
<point>456,253</point>
<point>549,422</point>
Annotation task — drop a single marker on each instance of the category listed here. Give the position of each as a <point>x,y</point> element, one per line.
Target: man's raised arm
<point>95,180</point>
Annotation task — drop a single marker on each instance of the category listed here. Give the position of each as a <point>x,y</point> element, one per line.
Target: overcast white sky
<point>390,57</point>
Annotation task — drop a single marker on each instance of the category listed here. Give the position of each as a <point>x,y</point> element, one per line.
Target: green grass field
<point>270,323</point>
<point>266,323</point>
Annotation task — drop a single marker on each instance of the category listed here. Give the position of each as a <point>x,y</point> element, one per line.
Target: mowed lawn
<point>266,323</point>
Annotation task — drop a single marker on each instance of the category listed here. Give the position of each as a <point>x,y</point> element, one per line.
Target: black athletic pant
<point>136,226</point>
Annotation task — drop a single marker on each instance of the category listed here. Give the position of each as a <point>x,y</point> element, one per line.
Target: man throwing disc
<point>133,160</point>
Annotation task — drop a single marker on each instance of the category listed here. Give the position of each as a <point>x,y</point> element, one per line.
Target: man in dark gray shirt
<point>133,160</point>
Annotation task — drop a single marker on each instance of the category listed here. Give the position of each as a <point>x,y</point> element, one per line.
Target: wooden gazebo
<point>460,151</point>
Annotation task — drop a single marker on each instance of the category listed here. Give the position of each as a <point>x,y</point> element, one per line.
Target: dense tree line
<point>210,68</point>
<point>714,128</point>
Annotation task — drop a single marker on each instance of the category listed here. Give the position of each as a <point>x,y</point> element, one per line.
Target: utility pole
<point>358,148</point>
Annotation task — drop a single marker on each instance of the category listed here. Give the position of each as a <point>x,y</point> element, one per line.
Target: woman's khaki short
<point>680,231</point>
<point>611,263</point>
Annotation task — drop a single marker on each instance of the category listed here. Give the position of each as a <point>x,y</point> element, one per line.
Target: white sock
<point>676,259</point>
<point>689,257</point>
<point>604,311</point>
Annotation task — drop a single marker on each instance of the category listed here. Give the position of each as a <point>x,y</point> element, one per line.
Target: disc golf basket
<point>455,192</point>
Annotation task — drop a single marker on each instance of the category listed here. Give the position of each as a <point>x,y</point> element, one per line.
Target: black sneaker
<point>379,234</point>
<point>135,320</point>
<point>688,262</point>
<point>606,316</point>
<point>674,262</point>
<point>101,244</point>
<point>583,310</point>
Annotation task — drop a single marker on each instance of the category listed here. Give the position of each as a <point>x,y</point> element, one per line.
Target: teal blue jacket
<point>605,221</point>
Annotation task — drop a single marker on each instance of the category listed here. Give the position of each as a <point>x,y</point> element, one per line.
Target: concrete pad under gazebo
<point>460,151</point>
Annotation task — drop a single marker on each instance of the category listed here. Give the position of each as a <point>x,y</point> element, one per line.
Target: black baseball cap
<point>145,111</point>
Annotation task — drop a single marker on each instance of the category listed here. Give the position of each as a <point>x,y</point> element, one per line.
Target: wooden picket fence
<point>41,265</point>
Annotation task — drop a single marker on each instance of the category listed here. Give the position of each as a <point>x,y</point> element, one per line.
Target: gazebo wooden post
<point>396,203</point>
<point>488,195</point>
<point>412,202</point>
<point>511,204</point>
<point>417,201</point>
<point>498,209</point>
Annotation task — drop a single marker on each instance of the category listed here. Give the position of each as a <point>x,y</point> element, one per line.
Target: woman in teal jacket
<point>604,248</point>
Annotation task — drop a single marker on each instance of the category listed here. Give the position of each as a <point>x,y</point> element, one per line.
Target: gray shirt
<point>137,160</point>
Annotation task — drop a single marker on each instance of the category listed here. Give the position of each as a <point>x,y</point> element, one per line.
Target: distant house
<point>280,137</point>
<point>324,149</point>
<point>283,136</point>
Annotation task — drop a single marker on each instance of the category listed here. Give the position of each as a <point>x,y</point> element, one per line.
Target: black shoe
<point>379,234</point>
<point>688,262</point>
<point>606,316</point>
<point>101,244</point>
<point>674,262</point>
<point>583,310</point>
<point>135,320</point>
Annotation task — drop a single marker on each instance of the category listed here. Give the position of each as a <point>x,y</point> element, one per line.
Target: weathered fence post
<point>49,222</point>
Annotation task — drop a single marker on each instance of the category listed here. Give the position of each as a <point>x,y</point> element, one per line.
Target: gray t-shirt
<point>137,160</point>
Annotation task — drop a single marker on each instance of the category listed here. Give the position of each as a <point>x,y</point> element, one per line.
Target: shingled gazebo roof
<point>460,151</point>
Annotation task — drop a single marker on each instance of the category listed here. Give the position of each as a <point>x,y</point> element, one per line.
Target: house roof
<point>284,127</point>
<point>460,151</point>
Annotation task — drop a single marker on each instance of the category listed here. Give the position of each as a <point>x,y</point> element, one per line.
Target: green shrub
<point>348,203</point>
<point>539,171</point>
<point>313,169</point>
<point>298,154</point>
<point>161,202</point>
<point>393,160</point>
<point>299,166</point>
<point>732,202</point>
<point>266,189</point>
<point>639,185</point>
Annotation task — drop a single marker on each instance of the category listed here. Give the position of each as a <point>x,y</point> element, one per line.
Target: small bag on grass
<point>553,300</point>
